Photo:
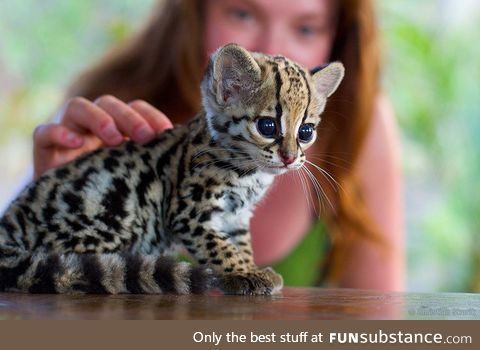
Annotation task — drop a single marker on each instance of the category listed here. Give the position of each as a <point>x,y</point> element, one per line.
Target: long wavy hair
<point>163,64</point>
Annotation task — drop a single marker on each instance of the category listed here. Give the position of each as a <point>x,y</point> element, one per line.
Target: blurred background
<point>431,56</point>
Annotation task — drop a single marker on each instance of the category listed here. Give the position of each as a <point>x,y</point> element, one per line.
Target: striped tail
<point>112,273</point>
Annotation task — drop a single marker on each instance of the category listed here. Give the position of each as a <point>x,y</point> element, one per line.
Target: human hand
<point>85,126</point>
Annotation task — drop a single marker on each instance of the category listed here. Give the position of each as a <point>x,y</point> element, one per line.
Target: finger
<point>84,116</point>
<point>48,141</point>
<point>128,121</point>
<point>56,135</point>
<point>157,120</point>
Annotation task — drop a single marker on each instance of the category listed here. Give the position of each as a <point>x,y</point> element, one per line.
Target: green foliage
<point>45,44</point>
<point>432,76</point>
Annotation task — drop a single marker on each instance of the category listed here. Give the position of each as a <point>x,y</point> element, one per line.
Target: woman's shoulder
<point>379,168</point>
<point>382,141</point>
<point>384,117</point>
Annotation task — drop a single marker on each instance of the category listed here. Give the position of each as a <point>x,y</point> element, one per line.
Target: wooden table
<point>293,303</point>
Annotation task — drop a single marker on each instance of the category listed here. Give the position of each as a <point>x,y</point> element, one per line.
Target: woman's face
<point>302,30</point>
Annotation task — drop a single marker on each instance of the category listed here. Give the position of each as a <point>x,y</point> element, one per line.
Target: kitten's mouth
<point>285,167</point>
<point>280,169</point>
<point>270,166</point>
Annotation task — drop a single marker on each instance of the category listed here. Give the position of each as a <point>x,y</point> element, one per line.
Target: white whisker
<point>318,186</point>
<point>312,192</point>
<point>306,189</point>
<point>329,177</point>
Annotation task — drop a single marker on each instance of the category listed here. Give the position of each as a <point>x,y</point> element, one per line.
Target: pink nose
<point>286,157</point>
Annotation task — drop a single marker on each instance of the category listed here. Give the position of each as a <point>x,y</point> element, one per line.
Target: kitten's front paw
<point>257,282</point>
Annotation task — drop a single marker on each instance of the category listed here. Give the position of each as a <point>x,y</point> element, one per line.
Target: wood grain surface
<point>292,303</point>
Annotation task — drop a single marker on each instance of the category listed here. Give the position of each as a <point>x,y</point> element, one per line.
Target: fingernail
<point>111,134</point>
<point>73,139</point>
<point>144,134</point>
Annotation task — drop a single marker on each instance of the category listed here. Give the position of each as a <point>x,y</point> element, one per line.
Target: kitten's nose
<point>287,157</point>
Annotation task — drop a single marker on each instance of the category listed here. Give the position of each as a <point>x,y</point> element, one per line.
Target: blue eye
<point>241,14</point>
<point>267,127</point>
<point>305,133</point>
<point>306,30</point>
<point>309,31</point>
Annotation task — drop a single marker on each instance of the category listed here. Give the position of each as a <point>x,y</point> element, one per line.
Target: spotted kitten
<point>106,222</point>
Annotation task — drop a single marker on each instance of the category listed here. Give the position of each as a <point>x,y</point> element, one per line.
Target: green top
<point>303,266</point>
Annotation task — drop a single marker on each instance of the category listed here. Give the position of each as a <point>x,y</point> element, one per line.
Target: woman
<point>153,80</point>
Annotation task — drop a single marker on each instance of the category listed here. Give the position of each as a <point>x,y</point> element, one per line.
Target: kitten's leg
<point>254,280</point>
<point>230,255</point>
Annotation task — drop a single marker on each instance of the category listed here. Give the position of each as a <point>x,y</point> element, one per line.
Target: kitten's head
<point>266,106</point>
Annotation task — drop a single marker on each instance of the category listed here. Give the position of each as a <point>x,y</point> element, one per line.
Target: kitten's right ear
<point>234,73</point>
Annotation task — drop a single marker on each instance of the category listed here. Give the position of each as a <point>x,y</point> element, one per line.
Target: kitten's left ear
<point>328,77</point>
<point>235,73</point>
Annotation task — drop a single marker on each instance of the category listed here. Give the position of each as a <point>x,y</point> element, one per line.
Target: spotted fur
<point>107,222</point>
